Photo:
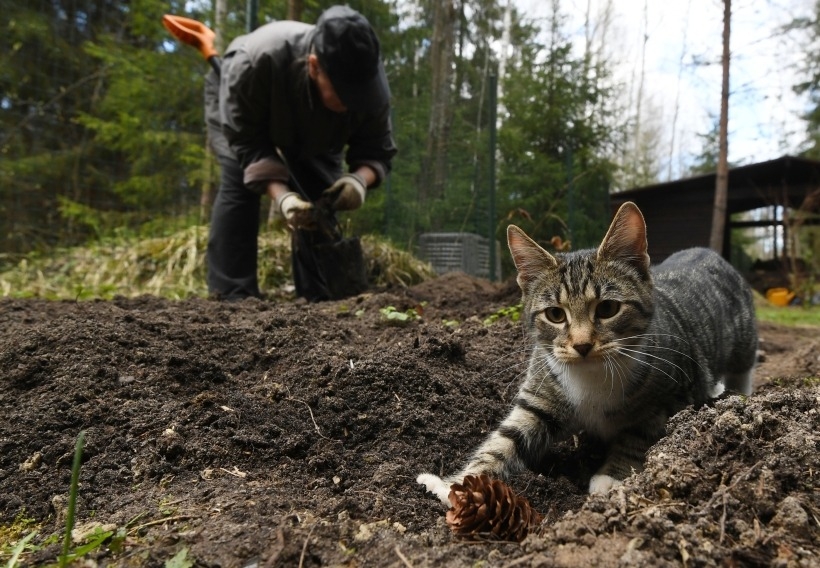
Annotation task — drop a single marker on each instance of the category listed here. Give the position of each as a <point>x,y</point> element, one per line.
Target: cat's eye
<point>607,309</point>
<point>555,315</point>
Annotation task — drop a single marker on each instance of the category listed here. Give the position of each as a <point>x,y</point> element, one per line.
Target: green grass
<point>789,315</point>
<point>14,539</point>
<point>17,540</point>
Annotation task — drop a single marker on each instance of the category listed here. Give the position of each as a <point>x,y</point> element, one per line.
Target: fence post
<point>251,15</point>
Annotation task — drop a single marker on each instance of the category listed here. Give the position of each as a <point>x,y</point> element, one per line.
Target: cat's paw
<point>435,485</point>
<point>602,484</point>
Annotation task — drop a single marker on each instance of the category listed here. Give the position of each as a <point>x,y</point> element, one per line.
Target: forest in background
<point>101,126</point>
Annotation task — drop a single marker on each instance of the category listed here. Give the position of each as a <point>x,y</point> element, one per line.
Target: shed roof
<point>781,181</point>
<point>679,213</point>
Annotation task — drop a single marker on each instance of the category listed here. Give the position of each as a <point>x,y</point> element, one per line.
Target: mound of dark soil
<point>288,434</point>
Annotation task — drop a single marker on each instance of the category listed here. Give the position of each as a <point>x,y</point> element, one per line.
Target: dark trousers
<point>232,243</point>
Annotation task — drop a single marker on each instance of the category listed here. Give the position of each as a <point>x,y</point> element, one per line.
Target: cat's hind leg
<point>734,383</point>
<point>738,375</point>
<point>737,383</point>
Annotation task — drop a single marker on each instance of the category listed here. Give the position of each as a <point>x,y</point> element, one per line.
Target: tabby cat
<point>618,348</point>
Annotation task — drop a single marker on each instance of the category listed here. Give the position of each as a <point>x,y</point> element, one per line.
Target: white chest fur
<point>595,390</point>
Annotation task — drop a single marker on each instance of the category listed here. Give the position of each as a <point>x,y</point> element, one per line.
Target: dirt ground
<point>271,433</point>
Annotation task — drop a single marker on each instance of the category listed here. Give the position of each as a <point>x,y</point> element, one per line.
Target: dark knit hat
<point>348,51</point>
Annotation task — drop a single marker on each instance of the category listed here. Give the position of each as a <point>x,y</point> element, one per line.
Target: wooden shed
<point>679,213</point>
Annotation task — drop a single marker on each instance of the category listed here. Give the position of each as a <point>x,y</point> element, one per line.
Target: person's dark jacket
<point>268,103</point>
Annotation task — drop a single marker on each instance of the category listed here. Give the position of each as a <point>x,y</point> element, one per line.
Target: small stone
<point>32,462</point>
<point>791,517</point>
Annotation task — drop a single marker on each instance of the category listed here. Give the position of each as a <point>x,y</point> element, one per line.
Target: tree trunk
<point>722,178</point>
<point>434,176</point>
<point>220,15</point>
<point>295,10</point>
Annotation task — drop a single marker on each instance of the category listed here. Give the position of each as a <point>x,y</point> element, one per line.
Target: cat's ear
<point>626,238</point>
<point>529,258</point>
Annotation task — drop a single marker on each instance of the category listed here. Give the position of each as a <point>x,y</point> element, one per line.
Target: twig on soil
<point>304,547</point>
<point>159,522</point>
<point>315,426</point>
<point>723,489</point>
<point>235,472</point>
<point>403,557</point>
<point>312,418</point>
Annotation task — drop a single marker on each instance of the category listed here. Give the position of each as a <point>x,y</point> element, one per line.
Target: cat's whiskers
<point>526,349</point>
<point>664,348</point>
<point>625,347</point>
<point>505,367</point>
<point>640,348</point>
<point>548,363</point>
<point>655,346</point>
<point>650,335</point>
<point>608,365</point>
<point>617,368</point>
<point>515,380</point>
<point>624,373</point>
<point>658,357</point>
<point>625,353</point>
<point>518,376</point>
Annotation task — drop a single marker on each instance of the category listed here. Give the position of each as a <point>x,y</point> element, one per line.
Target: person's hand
<point>347,193</point>
<point>297,212</point>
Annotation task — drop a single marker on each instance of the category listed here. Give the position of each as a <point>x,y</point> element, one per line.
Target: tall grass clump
<point>173,267</point>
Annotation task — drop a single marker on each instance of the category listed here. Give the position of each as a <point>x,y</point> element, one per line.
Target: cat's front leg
<point>522,439</point>
<point>435,485</point>
<point>496,457</point>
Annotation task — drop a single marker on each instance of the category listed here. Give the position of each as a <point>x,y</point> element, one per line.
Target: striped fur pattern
<point>617,349</point>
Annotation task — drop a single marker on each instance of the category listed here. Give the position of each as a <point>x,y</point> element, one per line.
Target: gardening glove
<point>347,193</point>
<point>297,212</point>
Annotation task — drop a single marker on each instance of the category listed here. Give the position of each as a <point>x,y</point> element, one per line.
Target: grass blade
<point>72,498</point>
<point>18,549</point>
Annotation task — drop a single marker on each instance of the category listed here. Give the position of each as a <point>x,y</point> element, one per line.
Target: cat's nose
<point>583,348</point>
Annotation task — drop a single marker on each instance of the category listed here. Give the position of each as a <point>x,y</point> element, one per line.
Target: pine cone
<point>488,508</point>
